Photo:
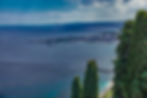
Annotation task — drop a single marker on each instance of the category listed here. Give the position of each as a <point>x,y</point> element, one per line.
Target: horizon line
<point>59,24</point>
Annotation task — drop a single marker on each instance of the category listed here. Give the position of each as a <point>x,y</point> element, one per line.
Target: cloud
<point>97,10</point>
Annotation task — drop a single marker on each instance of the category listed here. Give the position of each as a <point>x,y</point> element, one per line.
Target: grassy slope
<point>108,94</point>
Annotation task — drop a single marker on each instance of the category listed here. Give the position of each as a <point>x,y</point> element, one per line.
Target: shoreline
<point>108,87</point>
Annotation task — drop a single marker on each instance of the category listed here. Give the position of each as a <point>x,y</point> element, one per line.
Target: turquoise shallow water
<point>30,69</point>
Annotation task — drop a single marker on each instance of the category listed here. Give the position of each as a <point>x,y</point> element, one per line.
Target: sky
<point>36,12</point>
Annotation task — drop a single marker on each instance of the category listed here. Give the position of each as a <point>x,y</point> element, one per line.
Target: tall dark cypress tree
<point>131,71</point>
<point>121,70</point>
<point>76,88</point>
<point>138,58</point>
<point>91,81</point>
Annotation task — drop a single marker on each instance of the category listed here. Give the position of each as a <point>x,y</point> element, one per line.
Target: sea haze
<point>41,61</point>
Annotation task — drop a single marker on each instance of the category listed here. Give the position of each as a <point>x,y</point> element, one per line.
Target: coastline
<point>108,87</point>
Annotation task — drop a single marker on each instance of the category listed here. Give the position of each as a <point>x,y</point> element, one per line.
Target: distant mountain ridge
<point>75,27</point>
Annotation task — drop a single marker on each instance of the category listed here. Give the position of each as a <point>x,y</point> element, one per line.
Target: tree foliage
<point>91,81</point>
<point>122,61</point>
<point>76,88</point>
<point>138,57</point>
<point>131,65</point>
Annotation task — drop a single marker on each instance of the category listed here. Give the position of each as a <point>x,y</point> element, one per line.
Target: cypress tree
<point>76,88</point>
<point>91,81</point>
<point>131,71</point>
<point>121,64</point>
<point>138,58</point>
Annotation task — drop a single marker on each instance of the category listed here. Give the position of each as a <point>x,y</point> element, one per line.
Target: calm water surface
<point>29,69</point>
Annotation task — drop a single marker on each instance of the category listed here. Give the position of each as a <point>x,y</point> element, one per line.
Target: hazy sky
<point>67,11</point>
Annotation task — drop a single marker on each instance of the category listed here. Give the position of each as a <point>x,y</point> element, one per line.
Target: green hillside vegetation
<point>109,94</point>
<point>131,65</point>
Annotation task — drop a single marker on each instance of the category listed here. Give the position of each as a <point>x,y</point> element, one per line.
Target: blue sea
<point>41,61</point>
